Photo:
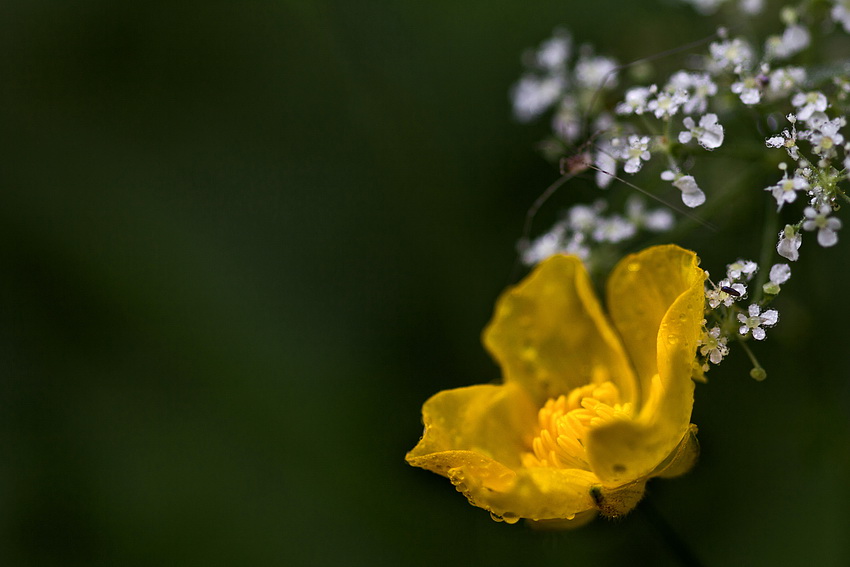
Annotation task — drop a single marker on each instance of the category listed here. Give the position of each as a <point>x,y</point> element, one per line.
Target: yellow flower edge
<point>591,406</point>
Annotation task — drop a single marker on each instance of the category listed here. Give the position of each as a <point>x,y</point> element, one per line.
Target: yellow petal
<point>535,494</point>
<point>493,421</point>
<point>656,302</point>
<point>641,291</point>
<point>476,436</point>
<point>683,458</point>
<point>549,334</point>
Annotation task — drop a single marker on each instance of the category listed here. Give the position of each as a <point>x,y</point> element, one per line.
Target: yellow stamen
<point>563,423</point>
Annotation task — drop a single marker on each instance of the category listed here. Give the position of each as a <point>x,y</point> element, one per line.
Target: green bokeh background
<point>242,242</point>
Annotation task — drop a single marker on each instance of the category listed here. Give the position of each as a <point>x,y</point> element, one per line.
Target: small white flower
<point>595,72</point>
<point>554,52</point>
<point>544,246</point>
<point>809,103</point>
<point>742,270</point>
<point>614,229</point>
<point>532,96</point>
<point>732,53</point>
<point>793,40</point>
<point>713,345</point>
<point>583,218</point>
<point>637,150</point>
<point>825,139</point>
<point>785,191</point>
<point>783,80</point>
<point>692,195</point>
<point>635,102</point>
<point>748,89</point>
<point>825,225</point>
<point>789,243</point>
<point>815,121</point>
<point>780,273</point>
<point>666,104</point>
<point>556,241</point>
<point>787,139</point>
<point>699,87</point>
<point>755,320</point>
<point>709,133</point>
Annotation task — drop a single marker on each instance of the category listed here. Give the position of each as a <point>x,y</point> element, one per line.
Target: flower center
<point>563,424</point>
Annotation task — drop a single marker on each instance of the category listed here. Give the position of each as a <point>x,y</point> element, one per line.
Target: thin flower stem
<point>768,238</point>
<point>750,354</point>
<point>677,545</point>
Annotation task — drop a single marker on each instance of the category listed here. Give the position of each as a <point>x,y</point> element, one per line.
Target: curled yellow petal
<point>656,301</point>
<point>493,421</point>
<point>641,291</point>
<point>549,334</point>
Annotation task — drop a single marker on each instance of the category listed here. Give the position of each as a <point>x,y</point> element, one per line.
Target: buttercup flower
<point>591,407</point>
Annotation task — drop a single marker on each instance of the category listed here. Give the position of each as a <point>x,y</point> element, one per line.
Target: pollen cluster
<point>563,424</point>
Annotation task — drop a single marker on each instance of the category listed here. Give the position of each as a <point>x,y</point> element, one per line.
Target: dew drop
<point>571,517</point>
<point>496,517</point>
<point>510,518</point>
<point>672,339</point>
<point>633,266</point>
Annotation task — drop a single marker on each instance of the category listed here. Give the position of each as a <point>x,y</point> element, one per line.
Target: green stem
<point>768,239</point>
<point>757,372</point>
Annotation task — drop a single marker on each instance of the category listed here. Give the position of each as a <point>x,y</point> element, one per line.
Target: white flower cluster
<point>728,316</point>
<point>820,165</point>
<point>550,81</point>
<point>586,226</point>
<point>677,121</point>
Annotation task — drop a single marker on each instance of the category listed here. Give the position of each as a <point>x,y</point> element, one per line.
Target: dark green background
<point>242,242</point>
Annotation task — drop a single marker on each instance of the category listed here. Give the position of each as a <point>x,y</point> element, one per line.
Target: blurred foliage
<point>244,241</point>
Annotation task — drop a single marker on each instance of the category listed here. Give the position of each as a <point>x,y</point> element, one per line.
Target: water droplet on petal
<point>633,266</point>
<point>672,339</point>
<point>510,518</point>
<point>496,517</point>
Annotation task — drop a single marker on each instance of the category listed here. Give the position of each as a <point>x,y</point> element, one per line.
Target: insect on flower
<point>730,290</point>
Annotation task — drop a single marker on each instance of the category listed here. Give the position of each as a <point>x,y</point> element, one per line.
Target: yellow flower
<point>591,406</point>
